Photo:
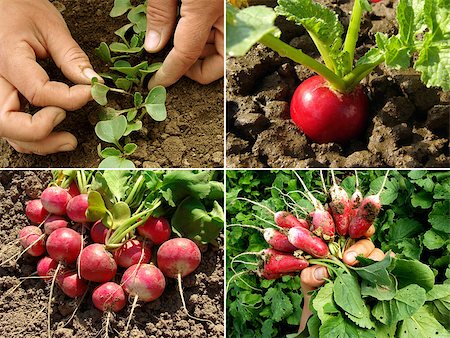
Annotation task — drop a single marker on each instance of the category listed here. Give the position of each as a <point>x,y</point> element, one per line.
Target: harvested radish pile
<point>117,253</point>
<point>290,224</point>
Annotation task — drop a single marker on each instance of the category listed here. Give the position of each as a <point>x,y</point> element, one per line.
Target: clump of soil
<point>408,124</point>
<point>23,312</point>
<point>191,136</point>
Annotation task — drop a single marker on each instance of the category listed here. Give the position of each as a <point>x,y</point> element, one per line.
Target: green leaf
<point>422,199</point>
<point>422,324</point>
<point>111,130</point>
<point>96,206</point>
<point>340,327</point>
<point>376,273</point>
<point>280,304</point>
<point>152,68</point>
<point>155,103</point>
<point>406,302</point>
<point>109,151</point>
<point>134,126</point>
<point>129,148</point>
<point>296,301</point>
<point>404,228</point>
<point>123,30</point>
<point>138,17</point>
<point>98,92</point>
<point>103,52</point>
<point>116,181</point>
<point>130,116</point>
<point>396,54</point>
<point>413,272</point>
<point>249,25</point>
<point>267,329</point>
<point>120,214</point>
<point>323,302</point>
<point>385,331</point>
<point>439,217</point>
<point>125,68</point>
<point>434,240</point>
<point>120,7</point>
<point>123,83</point>
<point>438,300</point>
<point>416,174</point>
<point>116,162</point>
<point>380,292</point>
<point>137,98</point>
<point>119,47</point>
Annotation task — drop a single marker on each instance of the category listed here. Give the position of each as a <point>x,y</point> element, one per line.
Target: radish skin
<point>35,211</point>
<point>276,262</point>
<point>322,224</point>
<point>54,222</point>
<point>144,281</point>
<point>99,232</point>
<point>340,208</point>
<point>76,208</point>
<point>178,256</point>
<point>278,240</point>
<point>31,238</point>
<point>132,252</point>
<point>157,230</point>
<point>55,199</point>
<point>46,267</point>
<point>109,297</point>
<point>71,284</point>
<point>96,264</point>
<point>73,190</point>
<point>286,220</point>
<point>264,274</point>
<point>306,241</point>
<point>64,245</point>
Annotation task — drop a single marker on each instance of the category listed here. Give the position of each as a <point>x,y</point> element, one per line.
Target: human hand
<point>30,30</point>
<point>198,50</point>
<point>314,276</point>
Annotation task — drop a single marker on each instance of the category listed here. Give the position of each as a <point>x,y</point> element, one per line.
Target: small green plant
<point>128,80</point>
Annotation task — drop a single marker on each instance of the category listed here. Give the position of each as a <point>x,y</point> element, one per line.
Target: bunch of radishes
<point>74,252</point>
<point>324,232</point>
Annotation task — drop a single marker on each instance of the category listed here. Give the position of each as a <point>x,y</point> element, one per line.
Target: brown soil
<point>23,312</point>
<point>408,124</point>
<point>191,136</point>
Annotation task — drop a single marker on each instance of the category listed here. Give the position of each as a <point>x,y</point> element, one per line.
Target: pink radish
<point>264,274</point>
<point>109,297</point>
<point>73,189</point>
<point>306,241</point>
<point>341,207</point>
<point>133,252</point>
<point>96,264</point>
<point>157,230</point>
<point>46,267</point>
<point>366,213</point>
<point>35,211</point>
<point>276,262</point>
<point>71,284</point>
<point>55,199</point>
<point>285,219</point>
<point>76,208</point>
<point>99,232</point>
<point>64,245</point>
<point>54,222</point>
<point>32,240</point>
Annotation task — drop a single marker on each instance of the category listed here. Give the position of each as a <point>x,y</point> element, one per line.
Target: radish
<point>71,284</point>
<point>45,268</point>
<point>357,195</point>
<point>306,241</point>
<point>325,115</point>
<point>54,222</point>
<point>64,245</point>
<point>73,189</point>
<point>55,199</point>
<point>35,211</point>
<point>133,252</point>
<point>285,219</point>
<point>366,213</point>
<point>157,230</point>
<point>32,240</point>
<point>341,207</point>
<point>99,232</point>
<point>76,208</point>
<point>109,297</point>
<point>96,264</point>
<point>276,262</point>
<point>264,274</point>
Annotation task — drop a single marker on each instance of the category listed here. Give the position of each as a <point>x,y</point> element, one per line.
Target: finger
<point>161,18</point>
<point>31,80</point>
<point>376,255</point>
<point>369,233</point>
<point>208,50</point>
<point>363,247</point>
<point>313,277</point>
<point>53,143</point>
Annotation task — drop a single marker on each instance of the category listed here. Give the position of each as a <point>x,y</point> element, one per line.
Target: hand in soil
<point>198,50</point>
<point>314,276</point>
<point>30,30</point>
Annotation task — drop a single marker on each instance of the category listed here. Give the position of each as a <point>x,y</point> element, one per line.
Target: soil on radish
<point>191,136</point>
<point>408,123</point>
<point>23,312</point>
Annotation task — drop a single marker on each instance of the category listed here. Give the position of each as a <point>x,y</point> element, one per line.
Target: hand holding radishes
<point>332,106</point>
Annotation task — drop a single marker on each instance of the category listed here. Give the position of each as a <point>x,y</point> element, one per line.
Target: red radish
<point>32,239</point>
<point>264,274</point>
<point>76,208</point>
<point>341,207</point>
<point>366,213</point>
<point>55,199</point>
<point>71,284</point>
<point>276,262</point>
<point>285,219</point>
<point>54,222</point>
<point>35,211</point>
<point>73,189</point>
<point>109,297</point>
<point>64,245</point>
<point>325,115</point>
<point>46,267</point>
<point>96,264</point>
<point>133,252</point>
<point>157,230</point>
<point>306,241</point>
<point>99,232</point>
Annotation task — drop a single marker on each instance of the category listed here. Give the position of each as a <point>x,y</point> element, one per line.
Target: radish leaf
<point>422,324</point>
<point>120,8</point>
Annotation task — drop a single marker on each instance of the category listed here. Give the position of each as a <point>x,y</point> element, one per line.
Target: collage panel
<point>345,253</point>
<point>340,84</point>
<point>90,253</point>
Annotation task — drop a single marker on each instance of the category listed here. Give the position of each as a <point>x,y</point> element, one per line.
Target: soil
<point>408,124</point>
<point>191,136</point>
<point>23,312</point>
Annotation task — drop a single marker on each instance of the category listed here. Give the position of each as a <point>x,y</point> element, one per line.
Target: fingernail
<point>66,147</point>
<point>350,257</point>
<point>320,273</point>
<point>152,40</point>
<point>90,73</point>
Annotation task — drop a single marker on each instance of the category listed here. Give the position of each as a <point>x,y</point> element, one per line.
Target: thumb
<point>161,18</point>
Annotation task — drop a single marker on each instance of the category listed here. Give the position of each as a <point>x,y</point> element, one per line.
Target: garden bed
<point>408,122</point>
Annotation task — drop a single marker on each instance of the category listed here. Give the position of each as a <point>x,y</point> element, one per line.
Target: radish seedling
<point>332,106</point>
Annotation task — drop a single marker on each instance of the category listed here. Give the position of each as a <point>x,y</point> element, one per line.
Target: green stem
<point>136,187</point>
<point>120,91</point>
<point>323,50</point>
<point>353,78</point>
<point>298,56</point>
<point>326,262</point>
<point>353,32</point>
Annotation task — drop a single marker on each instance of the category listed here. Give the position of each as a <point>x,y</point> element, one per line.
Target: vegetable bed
<point>402,296</point>
<point>23,309</point>
<point>407,123</point>
<point>191,136</point>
